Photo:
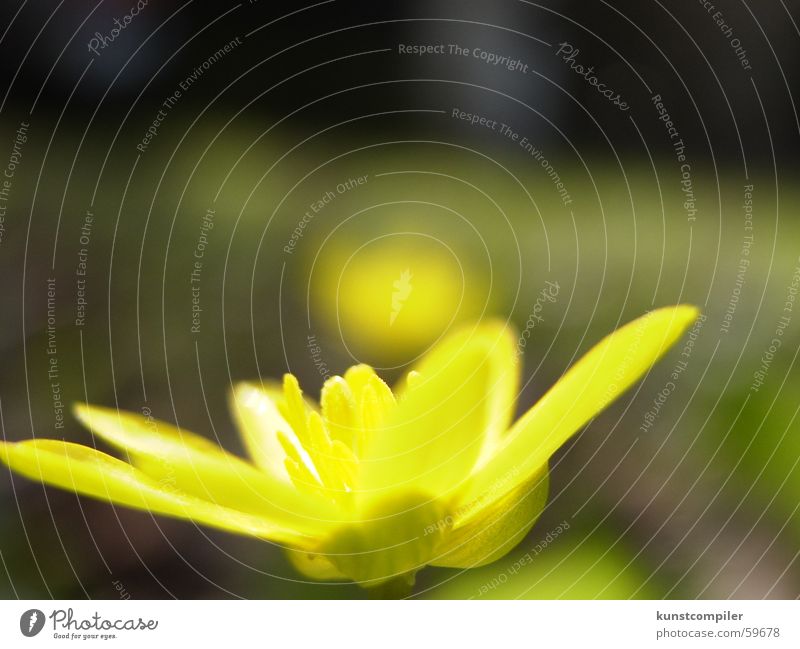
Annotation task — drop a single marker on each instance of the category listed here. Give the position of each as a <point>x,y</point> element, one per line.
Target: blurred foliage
<point>589,567</point>
<point>712,485</point>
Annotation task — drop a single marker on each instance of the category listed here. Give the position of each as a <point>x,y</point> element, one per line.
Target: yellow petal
<point>127,430</point>
<point>374,400</point>
<point>255,409</point>
<point>199,467</point>
<point>88,472</point>
<point>477,535</point>
<point>358,377</point>
<point>339,410</point>
<point>461,401</point>
<point>294,408</point>
<point>598,378</point>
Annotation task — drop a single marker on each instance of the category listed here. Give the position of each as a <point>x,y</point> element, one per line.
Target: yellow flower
<point>373,484</point>
<point>416,290</point>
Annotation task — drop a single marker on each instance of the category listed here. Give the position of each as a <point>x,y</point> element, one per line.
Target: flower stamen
<point>322,455</point>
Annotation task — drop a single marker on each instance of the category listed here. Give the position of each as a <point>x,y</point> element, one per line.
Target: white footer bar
<point>403,624</point>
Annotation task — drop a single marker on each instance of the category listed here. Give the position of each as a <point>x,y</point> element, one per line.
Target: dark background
<point>703,505</point>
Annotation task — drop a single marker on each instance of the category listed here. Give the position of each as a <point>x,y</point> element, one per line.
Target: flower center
<point>323,447</point>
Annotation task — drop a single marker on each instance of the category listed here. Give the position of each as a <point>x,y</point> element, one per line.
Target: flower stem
<point>396,588</point>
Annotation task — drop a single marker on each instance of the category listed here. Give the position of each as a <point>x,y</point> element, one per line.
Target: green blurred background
<point>698,498</point>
